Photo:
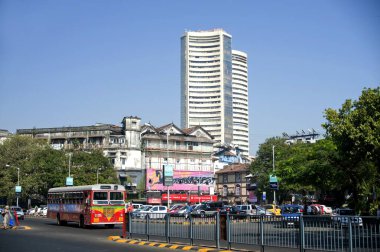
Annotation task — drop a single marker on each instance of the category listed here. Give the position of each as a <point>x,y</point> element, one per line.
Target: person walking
<point>6,217</point>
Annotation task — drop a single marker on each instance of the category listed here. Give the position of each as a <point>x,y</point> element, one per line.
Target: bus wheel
<point>110,225</point>
<point>81,221</point>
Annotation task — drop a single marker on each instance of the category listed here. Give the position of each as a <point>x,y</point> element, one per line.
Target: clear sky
<point>77,63</point>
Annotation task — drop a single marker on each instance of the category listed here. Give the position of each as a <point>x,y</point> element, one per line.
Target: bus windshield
<point>100,198</point>
<point>116,198</point>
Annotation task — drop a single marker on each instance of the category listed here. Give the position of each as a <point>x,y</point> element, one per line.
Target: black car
<point>234,212</point>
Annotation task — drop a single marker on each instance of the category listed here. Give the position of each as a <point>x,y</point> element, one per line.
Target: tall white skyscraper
<point>208,97</point>
<point>240,100</point>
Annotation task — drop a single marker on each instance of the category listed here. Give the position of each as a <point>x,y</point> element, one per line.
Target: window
<point>237,190</point>
<point>100,198</point>
<point>238,177</point>
<point>225,178</point>
<point>116,198</point>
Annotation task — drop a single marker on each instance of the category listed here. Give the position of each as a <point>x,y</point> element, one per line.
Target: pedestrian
<point>6,217</point>
<point>130,208</point>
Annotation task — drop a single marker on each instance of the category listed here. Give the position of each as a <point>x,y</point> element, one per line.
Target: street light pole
<point>274,190</point>
<point>18,182</point>
<point>69,164</point>
<point>97,175</point>
<point>167,162</point>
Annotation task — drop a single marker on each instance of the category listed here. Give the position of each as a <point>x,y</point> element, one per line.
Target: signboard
<point>168,175</point>
<point>69,181</point>
<point>264,196</point>
<point>18,189</point>
<point>273,183</point>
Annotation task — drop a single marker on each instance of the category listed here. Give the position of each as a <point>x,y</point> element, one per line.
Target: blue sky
<point>75,63</point>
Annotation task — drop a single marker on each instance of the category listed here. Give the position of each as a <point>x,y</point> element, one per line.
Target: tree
<point>355,130</point>
<point>300,167</point>
<point>42,168</point>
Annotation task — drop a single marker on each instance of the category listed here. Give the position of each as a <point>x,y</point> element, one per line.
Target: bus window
<point>100,198</point>
<point>116,198</point>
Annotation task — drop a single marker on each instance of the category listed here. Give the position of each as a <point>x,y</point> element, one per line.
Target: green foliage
<point>42,168</point>
<point>355,130</point>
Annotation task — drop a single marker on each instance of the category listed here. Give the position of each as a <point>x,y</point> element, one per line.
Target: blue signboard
<point>168,175</point>
<point>69,181</point>
<point>273,182</point>
<point>264,196</point>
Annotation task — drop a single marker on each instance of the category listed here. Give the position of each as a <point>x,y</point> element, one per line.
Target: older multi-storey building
<point>214,86</point>
<point>231,183</point>
<point>120,144</point>
<point>187,150</point>
<point>138,152</point>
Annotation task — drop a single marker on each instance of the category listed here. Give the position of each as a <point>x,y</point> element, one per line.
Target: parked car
<point>136,206</point>
<point>341,217</point>
<point>326,209</point>
<point>291,214</point>
<point>185,211</point>
<point>261,210</point>
<point>247,209</point>
<point>234,211</point>
<point>19,212</point>
<point>155,212</point>
<point>137,212</point>
<point>207,208</point>
<point>175,208</point>
<point>274,209</point>
<point>44,212</point>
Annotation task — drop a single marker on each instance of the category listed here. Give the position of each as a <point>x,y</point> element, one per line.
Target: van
<point>247,209</point>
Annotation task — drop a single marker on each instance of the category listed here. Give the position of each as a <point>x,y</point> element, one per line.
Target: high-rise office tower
<point>208,97</point>
<point>240,100</point>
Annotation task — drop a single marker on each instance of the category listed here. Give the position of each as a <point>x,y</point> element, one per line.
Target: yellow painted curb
<point>173,246</point>
<point>187,248</point>
<point>112,238</point>
<point>121,240</point>
<point>162,245</point>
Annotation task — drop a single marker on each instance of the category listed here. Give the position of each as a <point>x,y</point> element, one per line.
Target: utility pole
<point>167,162</point>
<point>274,190</point>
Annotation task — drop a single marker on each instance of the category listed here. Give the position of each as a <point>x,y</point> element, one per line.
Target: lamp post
<point>97,175</point>
<point>274,190</point>
<point>167,162</point>
<point>69,164</point>
<point>18,181</point>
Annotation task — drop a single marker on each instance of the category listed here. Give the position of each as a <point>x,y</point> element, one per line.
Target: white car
<point>44,212</point>
<point>155,212</point>
<point>326,209</point>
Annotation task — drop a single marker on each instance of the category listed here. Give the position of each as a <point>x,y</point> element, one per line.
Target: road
<point>45,235</point>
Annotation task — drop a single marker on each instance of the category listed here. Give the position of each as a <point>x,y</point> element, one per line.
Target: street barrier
<point>324,233</point>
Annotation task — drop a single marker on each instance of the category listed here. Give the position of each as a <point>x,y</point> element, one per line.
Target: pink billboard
<point>182,180</point>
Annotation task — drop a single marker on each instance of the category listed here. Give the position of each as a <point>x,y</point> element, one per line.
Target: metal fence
<point>324,233</point>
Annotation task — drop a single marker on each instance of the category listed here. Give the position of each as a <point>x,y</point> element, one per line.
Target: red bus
<point>101,204</point>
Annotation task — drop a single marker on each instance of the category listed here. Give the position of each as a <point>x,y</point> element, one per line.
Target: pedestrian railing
<point>324,233</point>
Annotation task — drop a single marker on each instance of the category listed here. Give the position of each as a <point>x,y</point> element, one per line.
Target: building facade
<point>207,85</point>
<point>187,150</point>
<point>120,144</point>
<point>231,183</point>
<point>240,101</point>
<point>138,153</point>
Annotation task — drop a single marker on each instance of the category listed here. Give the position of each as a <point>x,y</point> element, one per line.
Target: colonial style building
<point>122,145</point>
<point>187,150</point>
<point>138,152</point>
<point>231,183</point>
